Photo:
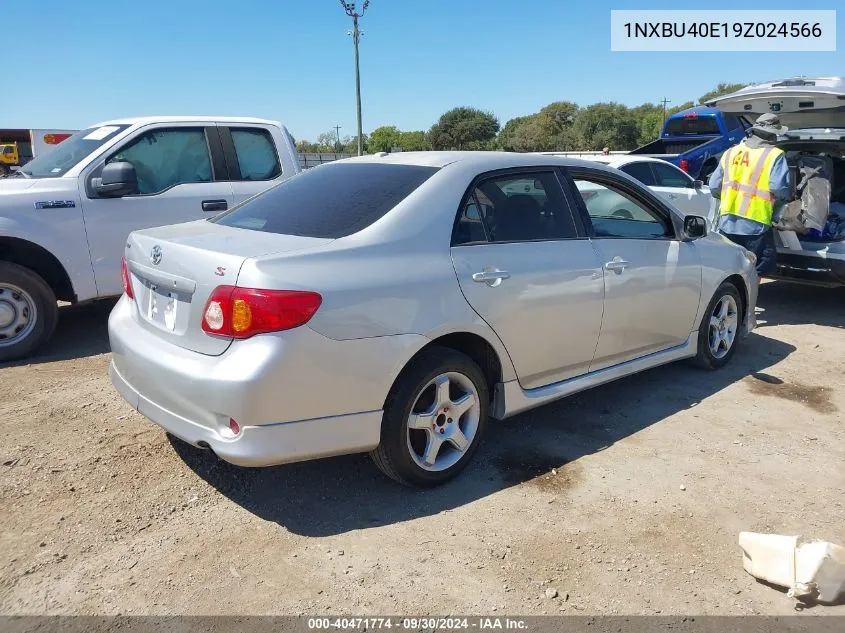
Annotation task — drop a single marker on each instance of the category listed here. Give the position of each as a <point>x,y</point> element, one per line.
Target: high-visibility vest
<point>745,182</point>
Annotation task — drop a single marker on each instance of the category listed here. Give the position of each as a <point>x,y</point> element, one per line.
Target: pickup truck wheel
<point>28,311</point>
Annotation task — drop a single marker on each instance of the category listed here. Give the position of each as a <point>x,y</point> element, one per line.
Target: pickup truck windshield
<point>57,161</point>
<point>692,125</point>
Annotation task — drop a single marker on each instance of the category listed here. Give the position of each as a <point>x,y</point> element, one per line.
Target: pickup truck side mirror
<point>117,180</point>
<point>698,184</point>
<point>695,227</point>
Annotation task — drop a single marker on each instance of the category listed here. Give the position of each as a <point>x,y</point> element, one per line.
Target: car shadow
<point>82,330</point>
<point>337,495</point>
<point>785,303</point>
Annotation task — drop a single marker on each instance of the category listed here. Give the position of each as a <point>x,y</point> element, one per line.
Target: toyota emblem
<point>155,255</point>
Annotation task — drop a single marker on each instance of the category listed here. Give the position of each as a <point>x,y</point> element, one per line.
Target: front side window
<point>516,208</point>
<point>71,151</point>
<point>669,176</point>
<point>329,201</point>
<point>165,158</point>
<point>616,214</point>
<point>256,154</point>
<point>640,171</point>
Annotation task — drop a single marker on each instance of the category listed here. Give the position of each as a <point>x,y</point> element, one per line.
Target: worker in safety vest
<point>752,185</point>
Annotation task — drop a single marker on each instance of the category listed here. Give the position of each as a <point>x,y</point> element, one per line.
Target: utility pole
<point>664,102</point>
<point>337,129</point>
<point>349,7</point>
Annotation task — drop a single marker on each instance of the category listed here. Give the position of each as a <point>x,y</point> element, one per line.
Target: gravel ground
<point>624,500</point>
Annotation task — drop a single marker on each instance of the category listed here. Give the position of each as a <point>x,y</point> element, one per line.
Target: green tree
<point>350,145</point>
<point>505,139</point>
<point>384,139</point>
<point>327,141</point>
<point>686,105</point>
<point>650,126</point>
<point>606,125</point>
<point>413,141</point>
<point>304,147</point>
<point>464,128</point>
<point>722,89</point>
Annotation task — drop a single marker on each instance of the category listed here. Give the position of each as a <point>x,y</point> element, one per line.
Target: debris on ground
<point>812,571</point>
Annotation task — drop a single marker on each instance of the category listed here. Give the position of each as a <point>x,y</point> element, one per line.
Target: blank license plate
<point>162,308</point>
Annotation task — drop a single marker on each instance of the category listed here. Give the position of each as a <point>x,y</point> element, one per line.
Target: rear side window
<point>515,208</point>
<point>670,176</point>
<point>640,171</point>
<point>692,125</point>
<point>732,123</point>
<point>331,201</point>
<point>257,159</point>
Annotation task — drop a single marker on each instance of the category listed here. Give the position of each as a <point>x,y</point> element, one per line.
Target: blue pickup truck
<point>694,139</point>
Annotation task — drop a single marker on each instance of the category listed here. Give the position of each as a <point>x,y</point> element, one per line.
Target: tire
<point>28,311</point>
<point>726,296</point>
<point>3,170</point>
<point>404,453</point>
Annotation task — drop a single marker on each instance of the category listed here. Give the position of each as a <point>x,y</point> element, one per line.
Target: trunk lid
<point>799,102</point>
<point>174,269</point>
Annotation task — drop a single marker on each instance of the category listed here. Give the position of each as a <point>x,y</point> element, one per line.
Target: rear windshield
<point>330,201</point>
<point>692,125</point>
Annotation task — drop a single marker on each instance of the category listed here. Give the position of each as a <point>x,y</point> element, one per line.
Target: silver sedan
<point>395,303</point>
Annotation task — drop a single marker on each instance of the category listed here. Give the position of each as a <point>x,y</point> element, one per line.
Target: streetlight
<point>349,7</point>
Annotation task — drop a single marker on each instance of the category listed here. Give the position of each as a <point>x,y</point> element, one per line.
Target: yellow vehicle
<point>19,146</point>
<point>10,156</point>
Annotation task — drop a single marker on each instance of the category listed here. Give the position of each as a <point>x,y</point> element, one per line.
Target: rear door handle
<point>617,265</point>
<point>491,277</point>
<point>214,205</point>
<point>671,196</point>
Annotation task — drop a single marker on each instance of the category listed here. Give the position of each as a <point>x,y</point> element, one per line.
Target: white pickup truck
<point>65,216</point>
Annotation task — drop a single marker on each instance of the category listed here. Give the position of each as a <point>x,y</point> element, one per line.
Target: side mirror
<point>695,227</point>
<point>117,180</point>
<point>698,184</point>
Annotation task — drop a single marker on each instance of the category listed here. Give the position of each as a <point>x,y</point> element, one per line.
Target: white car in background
<point>692,197</point>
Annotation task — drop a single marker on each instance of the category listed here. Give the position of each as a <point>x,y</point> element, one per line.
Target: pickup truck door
<point>182,176</point>
<point>257,157</point>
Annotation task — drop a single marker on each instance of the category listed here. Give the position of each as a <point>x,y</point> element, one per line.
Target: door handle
<point>671,196</point>
<point>616,264</point>
<point>214,205</point>
<point>491,277</point>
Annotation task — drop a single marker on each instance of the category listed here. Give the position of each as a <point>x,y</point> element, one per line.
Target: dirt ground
<point>624,500</point>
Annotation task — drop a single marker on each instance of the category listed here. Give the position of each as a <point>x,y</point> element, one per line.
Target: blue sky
<point>78,63</point>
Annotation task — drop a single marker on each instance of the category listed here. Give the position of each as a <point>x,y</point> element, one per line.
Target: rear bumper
<point>810,269</point>
<point>296,395</point>
<point>263,445</point>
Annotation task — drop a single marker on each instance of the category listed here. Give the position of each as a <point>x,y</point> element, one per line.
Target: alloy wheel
<point>723,326</point>
<point>443,421</point>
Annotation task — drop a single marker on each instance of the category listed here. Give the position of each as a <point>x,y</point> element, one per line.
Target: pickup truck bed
<point>662,148</point>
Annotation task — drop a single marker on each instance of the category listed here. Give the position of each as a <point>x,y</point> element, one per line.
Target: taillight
<point>127,280</point>
<point>244,312</point>
<point>684,165</point>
